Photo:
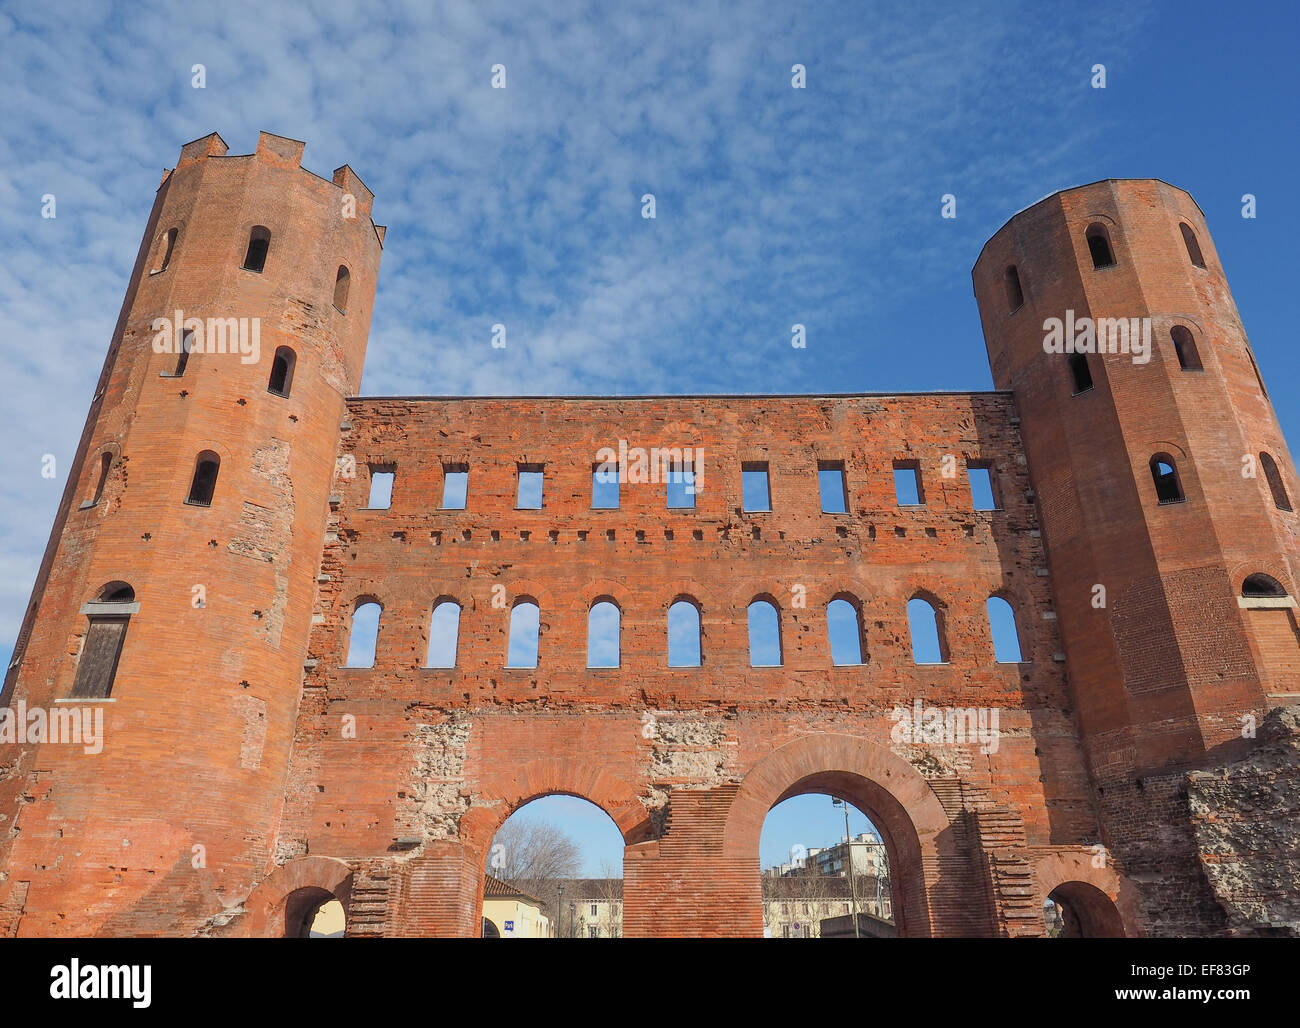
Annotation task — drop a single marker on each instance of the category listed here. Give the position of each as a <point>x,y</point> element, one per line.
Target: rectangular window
<point>907,483</point>
<point>981,487</point>
<point>593,932</point>
<point>455,486</point>
<point>604,486</point>
<point>681,487</point>
<point>593,910</point>
<point>531,477</point>
<point>830,480</point>
<point>755,489</point>
<point>381,487</point>
<point>99,657</point>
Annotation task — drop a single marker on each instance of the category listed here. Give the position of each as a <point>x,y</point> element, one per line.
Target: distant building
<point>592,908</point>
<point>511,913</point>
<point>869,857</point>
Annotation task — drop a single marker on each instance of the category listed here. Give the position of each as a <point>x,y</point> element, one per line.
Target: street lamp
<point>848,844</point>
<point>559,915</point>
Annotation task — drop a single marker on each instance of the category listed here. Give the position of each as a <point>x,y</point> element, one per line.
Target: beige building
<point>591,908</point>
<point>511,913</point>
<point>794,905</point>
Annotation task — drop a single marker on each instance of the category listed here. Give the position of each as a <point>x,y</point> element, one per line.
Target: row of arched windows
<point>259,245</point>
<point>604,625</point>
<point>1097,236</point>
<point>1169,487</point>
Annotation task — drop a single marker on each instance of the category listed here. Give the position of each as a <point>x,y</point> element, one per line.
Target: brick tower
<point>1166,492</point>
<point>192,525</point>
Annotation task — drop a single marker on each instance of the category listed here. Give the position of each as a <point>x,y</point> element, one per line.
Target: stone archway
<point>928,872</point>
<point>280,905</point>
<point>1095,902</point>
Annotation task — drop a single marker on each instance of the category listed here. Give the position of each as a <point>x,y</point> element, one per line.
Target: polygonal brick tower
<point>192,524</point>
<point>1166,493</point>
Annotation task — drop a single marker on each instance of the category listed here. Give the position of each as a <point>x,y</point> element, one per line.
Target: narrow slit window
<point>908,491</point>
<point>183,358</point>
<point>680,485</point>
<point>844,626</point>
<point>1002,625</point>
<point>1103,256</point>
<point>381,487</point>
<point>604,486</point>
<point>982,493</point>
<point>105,635</point>
<point>1080,373</point>
<point>928,646</point>
<point>105,462</point>
<point>525,629</point>
<point>282,365</point>
<point>764,634</point>
<point>831,485</point>
<point>259,242</point>
<point>602,635</point>
<point>1193,247</point>
<point>1165,476</point>
<point>169,245</point>
<point>455,486</point>
<point>204,482</point>
<point>755,487</point>
<point>341,284</point>
<point>363,639</point>
<point>684,649</point>
<point>1015,295</point>
<point>444,633</point>
<point>529,493</point>
<point>1189,358</point>
<point>1275,485</point>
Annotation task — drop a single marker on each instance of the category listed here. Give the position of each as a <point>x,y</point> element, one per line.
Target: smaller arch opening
<point>1164,474</point>
<point>1193,247</point>
<point>684,643</point>
<point>341,285</point>
<point>444,634</point>
<point>1015,295</point>
<point>1080,373</point>
<point>1002,626</point>
<point>1189,358</point>
<point>204,482</point>
<point>1275,484</point>
<point>603,635</point>
<point>116,592</point>
<point>764,634</point>
<point>169,245</point>
<point>925,624</point>
<point>1103,254</point>
<point>259,242</point>
<point>105,463</point>
<point>282,365</point>
<point>525,633</point>
<point>844,627</point>
<point>1259,585</point>
<point>363,639</point>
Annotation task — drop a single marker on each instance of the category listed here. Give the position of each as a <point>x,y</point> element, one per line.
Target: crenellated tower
<point>1166,493</point>
<point>176,592</point>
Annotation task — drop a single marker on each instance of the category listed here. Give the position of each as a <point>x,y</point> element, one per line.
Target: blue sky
<point>522,205</point>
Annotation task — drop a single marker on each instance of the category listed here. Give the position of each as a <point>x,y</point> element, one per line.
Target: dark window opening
<point>1275,484</point>
<point>282,371</point>
<point>167,254</point>
<point>341,290</point>
<point>1099,246</point>
<point>1262,585</point>
<point>100,656</point>
<point>1080,373</point>
<point>1193,247</point>
<point>1015,295</point>
<point>1189,358</point>
<point>187,344</point>
<point>1165,476</point>
<point>205,479</point>
<point>259,241</point>
<point>105,462</point>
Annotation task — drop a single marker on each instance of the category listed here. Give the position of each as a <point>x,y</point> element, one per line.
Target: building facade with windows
<point>1042,635</point>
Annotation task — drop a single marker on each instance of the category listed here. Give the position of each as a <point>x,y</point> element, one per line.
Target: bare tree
<point>533,856</point>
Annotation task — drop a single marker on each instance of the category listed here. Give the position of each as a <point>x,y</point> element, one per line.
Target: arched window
<point>444,632</point>
<point>1002,624</point>
<point>259,241</point>
<point>105,462</point>
<point>602,635</point>
<point>764,634</point>
<point>1193,247</point>
<point>341,289</point>
<point>204,483</point>
<point>1165,476</point>
<point>844,626</point>
<point>282,365</point>
<point>187,344</point>
<point>1262,585</point>
<point>1189,358</point>
<point>684,649</point>
<point>928,643</point>
<point>1015,295</point>
<point>525,629</point>
<point>1280,499</point>
<point>108,615</point>
<point>1080,373</point>
<point>364,637</point>
<point>169,245</point>
<point>1099,245</point>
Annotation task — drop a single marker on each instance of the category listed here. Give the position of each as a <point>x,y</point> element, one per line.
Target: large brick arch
<point>285,894</point>
<point>899,801</point>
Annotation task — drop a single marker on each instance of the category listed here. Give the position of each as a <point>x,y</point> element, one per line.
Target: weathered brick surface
<point>235,726</point>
